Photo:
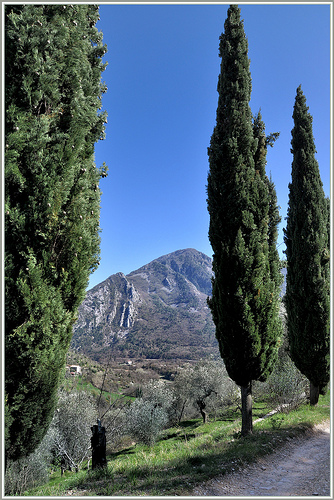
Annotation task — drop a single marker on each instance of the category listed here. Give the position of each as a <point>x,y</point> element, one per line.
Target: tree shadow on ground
<point>180,475</point>
<point>125,451</point>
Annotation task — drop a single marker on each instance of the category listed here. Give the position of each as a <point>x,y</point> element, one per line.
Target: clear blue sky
<point>161,102</point>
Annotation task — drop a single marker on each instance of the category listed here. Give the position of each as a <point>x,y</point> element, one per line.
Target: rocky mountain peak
<point>157,311</point>
<point>148,311</point>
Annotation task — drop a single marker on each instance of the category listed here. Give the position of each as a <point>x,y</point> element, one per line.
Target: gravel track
<point>301,468</point>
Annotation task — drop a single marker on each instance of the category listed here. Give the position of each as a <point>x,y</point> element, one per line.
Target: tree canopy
<point>307,296</point>
<point>53,93</point>
<point>243,221</point>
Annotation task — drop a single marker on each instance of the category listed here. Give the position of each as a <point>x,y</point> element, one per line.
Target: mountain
<point>157,311</point>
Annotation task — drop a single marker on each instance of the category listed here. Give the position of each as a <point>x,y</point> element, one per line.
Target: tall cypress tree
<point>274,217</point>
<point>307,296</point>
<point>53,96</point>
<point>272,322</point>
<point>244,301</point>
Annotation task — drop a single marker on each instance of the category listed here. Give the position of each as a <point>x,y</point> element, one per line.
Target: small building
<point>75,370</point>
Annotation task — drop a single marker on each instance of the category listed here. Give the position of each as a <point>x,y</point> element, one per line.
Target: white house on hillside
<point>75,370</point>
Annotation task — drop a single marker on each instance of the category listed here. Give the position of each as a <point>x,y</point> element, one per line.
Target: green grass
<point>186,455</point>
<point>80,384</point>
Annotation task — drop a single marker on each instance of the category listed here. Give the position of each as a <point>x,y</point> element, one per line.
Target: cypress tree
<point>53,95</point>
<point>307,296</point>
<point>243,218</point>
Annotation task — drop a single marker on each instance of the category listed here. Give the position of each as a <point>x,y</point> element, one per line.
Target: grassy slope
<point>189,454</point>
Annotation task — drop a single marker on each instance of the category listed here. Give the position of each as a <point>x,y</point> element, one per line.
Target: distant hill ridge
<point>158,311</point>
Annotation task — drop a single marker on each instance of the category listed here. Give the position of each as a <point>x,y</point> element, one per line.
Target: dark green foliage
<point>52,200</point>
<point>243,221</point>
<point>307,297</point>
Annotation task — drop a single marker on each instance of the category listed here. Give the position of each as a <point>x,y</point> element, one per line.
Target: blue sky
<point>161,103</point>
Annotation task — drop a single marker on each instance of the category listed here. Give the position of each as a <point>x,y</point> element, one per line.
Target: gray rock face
<point>108,305</point>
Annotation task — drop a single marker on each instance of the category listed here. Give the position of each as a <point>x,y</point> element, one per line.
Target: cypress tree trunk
<point>314,394</point>
<point>247,416</point>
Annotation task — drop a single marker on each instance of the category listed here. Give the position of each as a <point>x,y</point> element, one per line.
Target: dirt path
<point>302,467</point>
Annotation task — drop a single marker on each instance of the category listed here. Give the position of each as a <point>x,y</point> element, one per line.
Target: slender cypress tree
<point>241,205</point>
<point>53,95</point>
<point>274,218</point>
<point>272,320</point>
<point>307,296</point>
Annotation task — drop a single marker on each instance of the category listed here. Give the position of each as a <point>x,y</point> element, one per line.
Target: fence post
<point>98,442</point>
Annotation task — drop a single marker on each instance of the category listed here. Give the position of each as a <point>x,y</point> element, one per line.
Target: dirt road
<point>301,468</point>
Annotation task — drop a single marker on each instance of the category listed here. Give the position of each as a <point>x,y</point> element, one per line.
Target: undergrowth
<point>188,454</point>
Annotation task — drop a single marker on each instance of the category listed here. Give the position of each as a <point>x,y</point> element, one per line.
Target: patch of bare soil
<point>301,468</point>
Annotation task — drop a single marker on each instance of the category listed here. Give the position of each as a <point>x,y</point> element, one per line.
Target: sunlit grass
<point>188,454</point>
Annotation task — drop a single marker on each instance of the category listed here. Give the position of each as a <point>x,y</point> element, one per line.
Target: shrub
<point>145,420</point>
<point>70,430</point>
<point>29,471</point>
<point>286,385</point>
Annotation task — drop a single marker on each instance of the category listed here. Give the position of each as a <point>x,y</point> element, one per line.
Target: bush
<point>145,420</point>
<point>70,430</point>
<point>29,471</point>
<point>286,385</point>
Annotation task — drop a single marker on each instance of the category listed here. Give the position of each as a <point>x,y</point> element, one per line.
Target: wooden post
<point>98,442</point>
<point>62,465</point>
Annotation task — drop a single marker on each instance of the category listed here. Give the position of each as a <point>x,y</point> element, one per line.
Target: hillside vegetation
<point>157,443</point>
<point>188,454</point>
<point>119,375</point>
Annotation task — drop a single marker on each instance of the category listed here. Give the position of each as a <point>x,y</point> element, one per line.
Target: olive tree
<point>205,386</point>
<point>145,420</point>
<point>150,413</point>
<point>29,471</point>
<point>70,428</point>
